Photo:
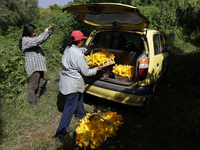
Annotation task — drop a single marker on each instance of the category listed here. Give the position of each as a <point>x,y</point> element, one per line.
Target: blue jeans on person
<point>73,104</point>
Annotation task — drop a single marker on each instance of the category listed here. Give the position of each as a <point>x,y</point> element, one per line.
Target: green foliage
<point>12,70</point>
<point>161,15</point>
<point>161,18</point>
<point>17,12</point>
<point>188,20</point>
<point>7,9</point>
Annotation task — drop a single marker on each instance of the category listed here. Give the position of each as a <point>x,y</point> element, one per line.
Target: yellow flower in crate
<point>124,70</point>
<point>99,58</point>
<point>107,53</point>
<point>93,131</point>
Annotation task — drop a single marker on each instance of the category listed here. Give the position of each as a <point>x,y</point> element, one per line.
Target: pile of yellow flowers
<point>92,132</point>
<point>124,70</point>
<point>99,58</point>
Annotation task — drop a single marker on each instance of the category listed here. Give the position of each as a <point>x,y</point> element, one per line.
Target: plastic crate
<point>125,79</point>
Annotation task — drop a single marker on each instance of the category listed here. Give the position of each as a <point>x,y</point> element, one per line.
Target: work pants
<point>73,104</point>
<point>36,81</point>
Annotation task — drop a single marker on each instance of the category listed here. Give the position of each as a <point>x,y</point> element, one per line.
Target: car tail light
<point>143,68</point>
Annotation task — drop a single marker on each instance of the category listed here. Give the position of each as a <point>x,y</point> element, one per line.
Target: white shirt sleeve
<point>83,67</point>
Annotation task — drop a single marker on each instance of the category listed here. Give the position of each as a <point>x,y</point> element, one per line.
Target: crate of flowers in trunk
<point>96,128</point>
<point>102,57</point>
<point>124,79</point>
<point>124,72</point>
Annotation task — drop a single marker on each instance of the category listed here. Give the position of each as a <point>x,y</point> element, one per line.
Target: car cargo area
<point>125,46</point>
<point>121,57</point>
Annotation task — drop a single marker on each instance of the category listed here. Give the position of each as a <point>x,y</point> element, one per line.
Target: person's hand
<point>50,27</point>
<point>92,46</point>
<point>46,30</point>
<point>99,67</point>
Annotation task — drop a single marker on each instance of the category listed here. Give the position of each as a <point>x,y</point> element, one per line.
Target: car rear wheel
<point>144,110</point>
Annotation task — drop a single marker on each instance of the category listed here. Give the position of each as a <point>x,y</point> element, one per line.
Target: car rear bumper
<point>119,97</point>
<point>130,94</point>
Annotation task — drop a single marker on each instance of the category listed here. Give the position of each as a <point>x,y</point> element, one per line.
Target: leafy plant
<point>12,71</point>
<point>14,13</point>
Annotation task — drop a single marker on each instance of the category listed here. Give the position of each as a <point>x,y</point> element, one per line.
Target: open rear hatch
<point>110,16</point>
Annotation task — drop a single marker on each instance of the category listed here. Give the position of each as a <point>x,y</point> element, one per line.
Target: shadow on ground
<point>61,101</point>
<point>69,143</point>
<point>43,89</point>
<point>1,124</point>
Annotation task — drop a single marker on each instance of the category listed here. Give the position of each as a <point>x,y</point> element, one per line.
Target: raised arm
<point>29,42</point>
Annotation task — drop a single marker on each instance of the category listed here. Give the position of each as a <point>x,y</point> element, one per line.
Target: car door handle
<point>157,64</point>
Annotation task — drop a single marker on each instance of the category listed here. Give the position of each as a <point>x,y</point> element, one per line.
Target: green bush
<point>12,69</point>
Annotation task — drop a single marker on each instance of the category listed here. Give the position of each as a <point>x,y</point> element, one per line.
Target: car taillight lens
<point>143,68</point>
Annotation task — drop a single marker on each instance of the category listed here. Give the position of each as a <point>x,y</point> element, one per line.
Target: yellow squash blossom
<point>99,58</point>
<point>92,132</point>
<point>124,70</point>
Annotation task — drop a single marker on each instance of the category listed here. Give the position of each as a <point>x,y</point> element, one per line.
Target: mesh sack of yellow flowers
<point>100,58</point>
<point>93,131</point>
<point>124,70</point>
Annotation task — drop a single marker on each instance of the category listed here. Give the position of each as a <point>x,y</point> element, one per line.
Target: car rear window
<point>119,40</point>
<point>104,39</point>
<point>109,18</point>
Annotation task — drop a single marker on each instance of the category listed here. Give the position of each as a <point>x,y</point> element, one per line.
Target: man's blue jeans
<point>73,104</point>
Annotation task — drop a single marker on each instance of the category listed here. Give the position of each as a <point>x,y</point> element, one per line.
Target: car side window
<point>156,43</point>
<point>163,46</point>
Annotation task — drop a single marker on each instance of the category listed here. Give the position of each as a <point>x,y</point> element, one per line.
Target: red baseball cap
<point>78,35</point>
